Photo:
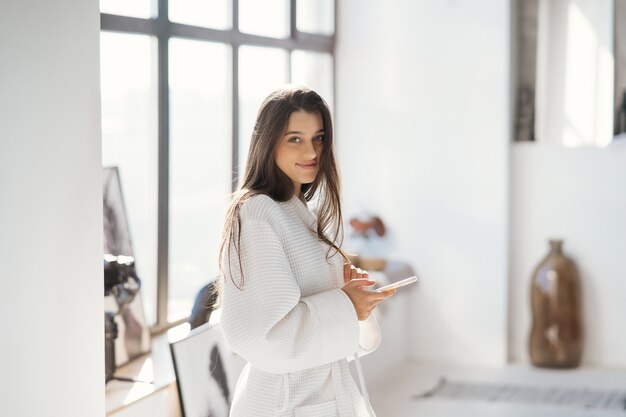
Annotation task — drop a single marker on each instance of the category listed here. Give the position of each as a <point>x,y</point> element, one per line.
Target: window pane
<point>316,16</point>
<point>313,70</point>
<point>261,70</point>
<point>264,18</point>
<point>134,8</point>
<point>214,14</point>
<point>129,141</point>
<point>200,165</point>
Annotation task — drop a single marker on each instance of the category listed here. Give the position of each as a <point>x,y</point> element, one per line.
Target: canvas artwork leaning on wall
<point>206,372</point>
<point>124,302</point>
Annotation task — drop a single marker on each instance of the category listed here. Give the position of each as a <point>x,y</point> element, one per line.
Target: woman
<point>290,306</point>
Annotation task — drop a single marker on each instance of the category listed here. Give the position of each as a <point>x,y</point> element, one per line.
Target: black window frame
<point>163,30</point>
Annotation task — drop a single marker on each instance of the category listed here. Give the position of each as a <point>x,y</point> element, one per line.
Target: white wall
<point>51,301</point>
<point>422,117</point>
<point>578,195</point>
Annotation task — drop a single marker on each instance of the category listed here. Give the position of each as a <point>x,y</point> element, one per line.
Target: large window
<point>182,81</point>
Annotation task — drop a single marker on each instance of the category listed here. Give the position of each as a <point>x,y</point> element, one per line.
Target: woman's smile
<point>309,166</point>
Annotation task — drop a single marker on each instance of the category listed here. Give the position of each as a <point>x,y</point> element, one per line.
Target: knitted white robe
<point>291,321</point>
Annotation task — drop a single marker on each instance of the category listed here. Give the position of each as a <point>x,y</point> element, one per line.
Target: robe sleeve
<point>369,336</point>
<point>268,322</point>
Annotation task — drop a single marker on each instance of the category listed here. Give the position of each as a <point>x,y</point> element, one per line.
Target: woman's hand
<point>364,300</point>
<point>352,272</point>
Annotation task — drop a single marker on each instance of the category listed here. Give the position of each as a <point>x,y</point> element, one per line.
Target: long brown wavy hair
<point>262,175</point>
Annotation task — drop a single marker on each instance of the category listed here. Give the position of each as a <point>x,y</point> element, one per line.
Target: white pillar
<point>51,284</point>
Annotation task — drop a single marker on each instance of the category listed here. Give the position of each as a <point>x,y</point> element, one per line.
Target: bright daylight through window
<point>181,82</point>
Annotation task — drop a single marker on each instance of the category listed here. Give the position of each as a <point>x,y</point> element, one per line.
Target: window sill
<point>162,396</point>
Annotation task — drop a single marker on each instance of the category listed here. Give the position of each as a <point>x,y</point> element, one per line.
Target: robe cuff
<point>337,317</point>
<point>369,335</point>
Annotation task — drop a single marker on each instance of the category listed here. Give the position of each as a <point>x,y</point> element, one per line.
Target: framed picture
<point>116,231</point>
<point>206,372</point>
<point>133,336</point>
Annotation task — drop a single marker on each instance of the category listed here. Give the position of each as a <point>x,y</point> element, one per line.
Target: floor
<point>394,395</point>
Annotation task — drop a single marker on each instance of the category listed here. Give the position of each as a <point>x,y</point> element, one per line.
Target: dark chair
<point>203,306</point>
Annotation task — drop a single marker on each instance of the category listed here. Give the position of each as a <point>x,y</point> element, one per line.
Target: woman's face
<point>299,150</point>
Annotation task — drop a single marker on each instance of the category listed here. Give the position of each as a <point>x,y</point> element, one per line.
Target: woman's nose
<point>309,151</point>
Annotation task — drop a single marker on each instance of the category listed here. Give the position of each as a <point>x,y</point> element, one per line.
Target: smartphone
<point>397,284</point>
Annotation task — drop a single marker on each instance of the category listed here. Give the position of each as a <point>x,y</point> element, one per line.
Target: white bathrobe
<point>292,322</point>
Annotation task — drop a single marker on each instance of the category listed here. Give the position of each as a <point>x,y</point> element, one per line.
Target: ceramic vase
<point>556,334</point>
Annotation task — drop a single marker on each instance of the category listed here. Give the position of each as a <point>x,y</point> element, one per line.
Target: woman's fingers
<point>346,272</point>
<point>361,282</point>
<point>353,272</point>
<point>387,294</point>
<point>360,273</point>
<point>384,295</point>
<point>365,300</point>
<point>381,296</point>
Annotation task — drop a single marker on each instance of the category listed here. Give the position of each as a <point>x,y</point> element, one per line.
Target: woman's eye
<point>294,139</point>
<point>319,138</point>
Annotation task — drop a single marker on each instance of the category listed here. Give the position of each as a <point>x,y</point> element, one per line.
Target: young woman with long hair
<point>292,305</point>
